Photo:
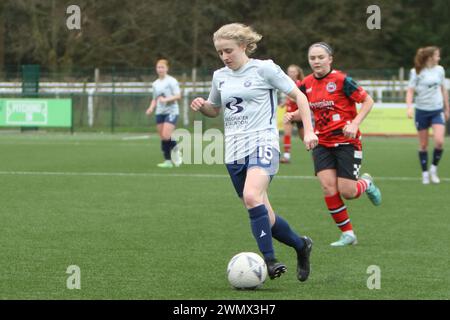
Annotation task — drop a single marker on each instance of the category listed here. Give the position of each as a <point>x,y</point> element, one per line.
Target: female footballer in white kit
<point>166,93</point>
<point>246,89</point>
<point>427,81</point>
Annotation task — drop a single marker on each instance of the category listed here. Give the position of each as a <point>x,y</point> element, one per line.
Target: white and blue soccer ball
<point>247,270</point>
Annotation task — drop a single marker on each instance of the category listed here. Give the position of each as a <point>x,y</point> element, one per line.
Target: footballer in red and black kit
<point>332,96</point>
<point>333,99</point>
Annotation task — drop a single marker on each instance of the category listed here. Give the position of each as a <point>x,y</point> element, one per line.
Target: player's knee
<point>347,194</point>
<point>423,146</point>
<point>329,190</point>
<point>166,134</point>
<point>439,144</point>
<point>252,198</point>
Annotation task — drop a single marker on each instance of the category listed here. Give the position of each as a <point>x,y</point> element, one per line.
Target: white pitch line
<point>109,174</point>
<point>136,138</point>
<point>175,175</point>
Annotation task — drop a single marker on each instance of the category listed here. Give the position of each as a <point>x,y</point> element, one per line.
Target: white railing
<point>375,88</point>
<point>378,86</point>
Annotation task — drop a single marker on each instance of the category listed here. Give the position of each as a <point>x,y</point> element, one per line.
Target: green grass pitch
<point>140,232</point>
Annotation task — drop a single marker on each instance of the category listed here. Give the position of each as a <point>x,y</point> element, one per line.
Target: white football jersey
<point>249,99</point>
<point>167,87</point>
<point>427,85</point>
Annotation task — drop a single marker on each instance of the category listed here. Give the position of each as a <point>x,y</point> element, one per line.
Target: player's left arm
<point>446,102</point>
<point>170,99</point>
<point>303,113</point>
<point>273,74</point>
<point>357,94</point>
<point>351,129</point>
<point>294,116</point>
<point>444,91</point>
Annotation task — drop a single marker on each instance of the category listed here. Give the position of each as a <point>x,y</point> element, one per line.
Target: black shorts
<point>344,158</point>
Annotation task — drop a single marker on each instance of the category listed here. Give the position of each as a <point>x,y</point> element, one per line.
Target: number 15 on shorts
<point>265,154</point>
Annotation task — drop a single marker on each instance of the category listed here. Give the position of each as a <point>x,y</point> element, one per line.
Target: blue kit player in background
<point>427,80</point>
<point>246,89</point>
<point>166,93</point>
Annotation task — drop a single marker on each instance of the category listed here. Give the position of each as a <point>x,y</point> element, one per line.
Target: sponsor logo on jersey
<point>247,83</point>
<point>237,122</point>
<point>331,87</point>
<point>233,105</point>
<point>322,104</point>
<point>221,83</point>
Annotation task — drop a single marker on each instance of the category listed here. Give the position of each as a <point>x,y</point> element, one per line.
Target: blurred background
<point>96,199</point>
<point>107,66</point>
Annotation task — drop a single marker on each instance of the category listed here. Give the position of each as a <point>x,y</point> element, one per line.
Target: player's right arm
<point>205,107</point>
<point>152,105</point>
<point>409,102</point>
<point>151,108</point>
<point>211,107</point>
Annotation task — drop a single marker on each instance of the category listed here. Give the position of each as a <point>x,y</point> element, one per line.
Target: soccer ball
<point>247,270</point>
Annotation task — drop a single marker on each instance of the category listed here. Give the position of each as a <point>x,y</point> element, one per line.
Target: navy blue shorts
<point>170,118</point>
<point>266,158</point>
<point>425,119</point>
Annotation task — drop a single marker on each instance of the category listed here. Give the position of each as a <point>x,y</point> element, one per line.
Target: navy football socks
<point>173,144</point>
<point>437,155</point>
<point>165,147</point>
<point>423,156</point>
<point>260,223</point>
<point>283,233</point>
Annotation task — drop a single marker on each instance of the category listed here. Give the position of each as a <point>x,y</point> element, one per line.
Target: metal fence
<point>115,100</point>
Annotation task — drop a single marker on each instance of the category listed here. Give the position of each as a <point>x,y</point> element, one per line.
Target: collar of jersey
<point>242,68</point>
<point>323,77</point>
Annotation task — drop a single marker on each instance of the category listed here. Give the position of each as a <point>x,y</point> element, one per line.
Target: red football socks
<point>338,211</point>
<point>287,144</point>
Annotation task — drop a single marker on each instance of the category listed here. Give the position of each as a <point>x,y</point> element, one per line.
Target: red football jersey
<point>333,99</point>
<point>291,105</point>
